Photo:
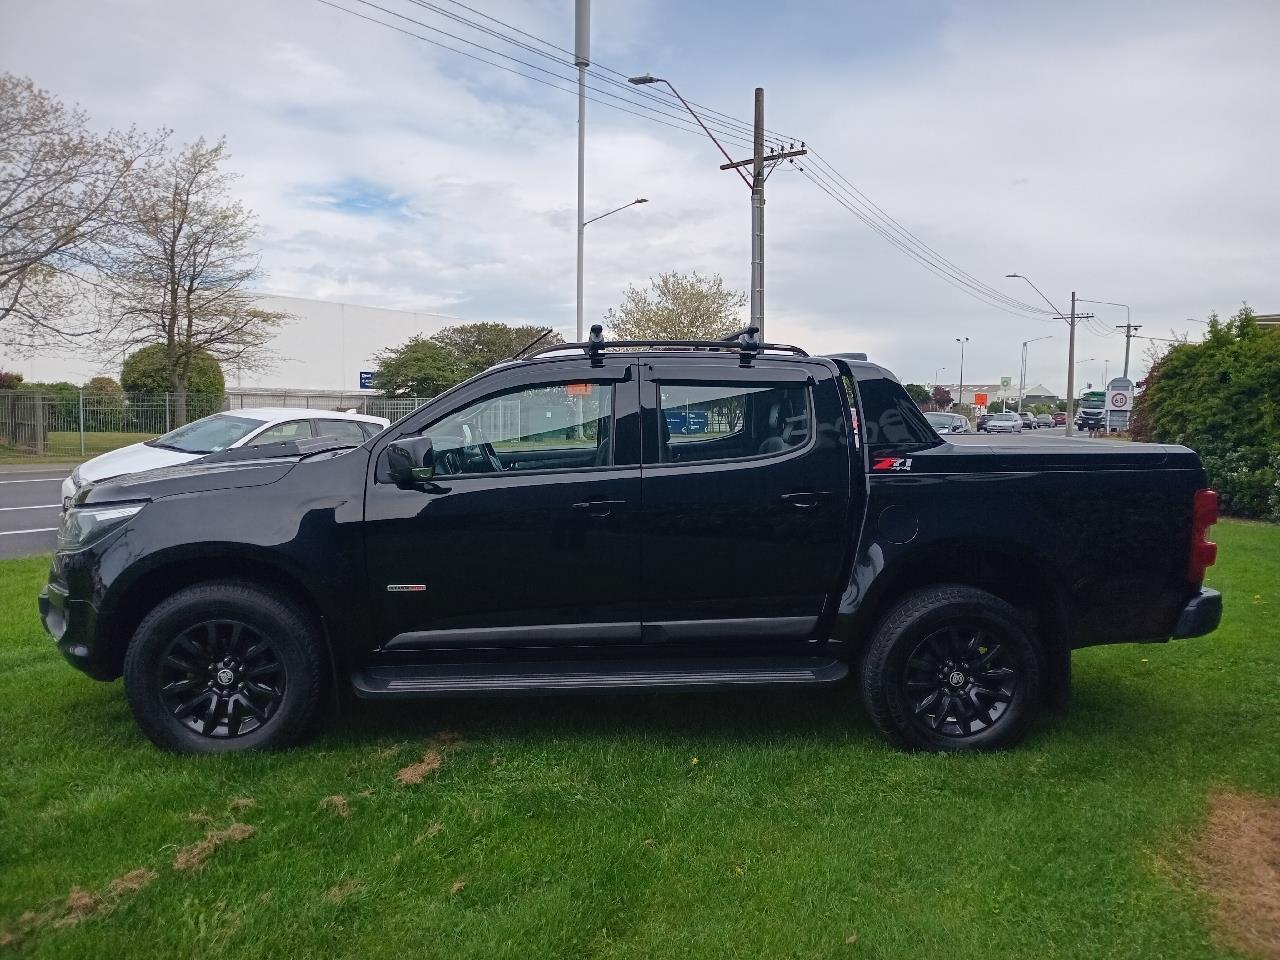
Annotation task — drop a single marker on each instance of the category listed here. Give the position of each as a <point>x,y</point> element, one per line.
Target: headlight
<point>81,526</point>
<point>76,479</point>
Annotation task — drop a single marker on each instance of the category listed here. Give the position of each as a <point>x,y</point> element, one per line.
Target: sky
<point>1124,150</point>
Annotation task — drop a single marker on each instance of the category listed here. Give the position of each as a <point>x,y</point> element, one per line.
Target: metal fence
<point>78,424</point>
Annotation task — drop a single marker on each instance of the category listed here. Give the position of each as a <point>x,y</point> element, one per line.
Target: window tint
<point>348,431</point>
<point>731,421</point>
<point>292,430</point>
<point>564,426</point>
<point>890,418</point>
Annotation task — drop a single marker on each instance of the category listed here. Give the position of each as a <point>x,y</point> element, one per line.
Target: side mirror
<point>411,461</point>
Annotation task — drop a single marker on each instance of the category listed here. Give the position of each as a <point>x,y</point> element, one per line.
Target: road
<point>29,508</point>
<point>1049,435</point>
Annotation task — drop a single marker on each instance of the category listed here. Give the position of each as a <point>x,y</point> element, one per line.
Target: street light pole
<point>1072,320</point>
<point>582,59</point>
<point>617,209</point>
<point>935,375</point>
<point>1022,379</point>
<point>960,399</point>
<point>1128,328</point>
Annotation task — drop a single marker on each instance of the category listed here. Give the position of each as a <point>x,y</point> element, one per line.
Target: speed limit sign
<point>1119,399</point>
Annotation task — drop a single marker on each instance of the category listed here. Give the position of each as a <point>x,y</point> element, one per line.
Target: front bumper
<point>73,626</point>
<point>1201,615</point>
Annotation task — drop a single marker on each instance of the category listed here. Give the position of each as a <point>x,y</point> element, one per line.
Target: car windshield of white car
<point>208,435</point>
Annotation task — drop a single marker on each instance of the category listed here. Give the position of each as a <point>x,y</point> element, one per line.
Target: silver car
<point>945,423</point>
<point>1004,423</point>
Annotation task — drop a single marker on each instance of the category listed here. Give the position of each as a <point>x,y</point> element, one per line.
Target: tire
<point>225,666</point>
<point>946,651</point>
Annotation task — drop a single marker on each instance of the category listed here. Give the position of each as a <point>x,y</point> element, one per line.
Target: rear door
<point>746,496</point>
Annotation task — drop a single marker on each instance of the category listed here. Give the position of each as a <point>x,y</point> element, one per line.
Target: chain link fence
<point>78,424</point>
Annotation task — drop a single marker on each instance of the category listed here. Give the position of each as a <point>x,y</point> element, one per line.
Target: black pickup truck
<point>632,516</point>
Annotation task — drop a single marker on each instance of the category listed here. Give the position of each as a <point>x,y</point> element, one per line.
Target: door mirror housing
<point>411,462</point>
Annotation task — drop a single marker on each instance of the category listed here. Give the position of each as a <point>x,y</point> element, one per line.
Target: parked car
<point>1059,419</point>
<point>1004,423</point>
<point>1028,421</point>
<point>537,530</point>
<point>248,427</point>
<point>1044,421</point>
<point>947,423</point>
<point>981,423</point>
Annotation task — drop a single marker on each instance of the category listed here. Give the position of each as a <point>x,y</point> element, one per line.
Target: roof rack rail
<point>746,343</point>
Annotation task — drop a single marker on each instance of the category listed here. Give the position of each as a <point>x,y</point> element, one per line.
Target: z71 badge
<point>891,463</point>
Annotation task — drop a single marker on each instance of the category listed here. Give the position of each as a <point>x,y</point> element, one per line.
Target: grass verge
<point>709,826</point>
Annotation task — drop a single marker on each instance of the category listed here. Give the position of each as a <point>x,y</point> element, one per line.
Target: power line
<point>912,239</point>
<point>961,285</point>
<point>688,126</point>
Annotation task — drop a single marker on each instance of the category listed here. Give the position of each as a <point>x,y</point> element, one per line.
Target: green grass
<point>708,826</point>
<point>65,446</point>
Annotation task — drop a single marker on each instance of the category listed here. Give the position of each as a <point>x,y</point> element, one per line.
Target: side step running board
<point>578,676</point>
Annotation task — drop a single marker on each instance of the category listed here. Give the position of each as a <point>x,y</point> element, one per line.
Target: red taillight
<point>1204,514</point>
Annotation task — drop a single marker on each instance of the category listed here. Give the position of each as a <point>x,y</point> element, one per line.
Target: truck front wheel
<point>951,668</point>
<point>224,666</point>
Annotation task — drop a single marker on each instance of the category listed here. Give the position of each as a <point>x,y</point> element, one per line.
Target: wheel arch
<point>1017,575</point>
<point>127,603</point>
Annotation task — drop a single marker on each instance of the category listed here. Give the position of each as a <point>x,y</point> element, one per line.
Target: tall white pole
<point>582,59</point>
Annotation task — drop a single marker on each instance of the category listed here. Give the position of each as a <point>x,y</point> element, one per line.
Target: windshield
<point>208,435</point>
<point>1003,417</point>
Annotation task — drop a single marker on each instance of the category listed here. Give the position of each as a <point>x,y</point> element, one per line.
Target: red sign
<point>578,389</point>
<point>980,399</point>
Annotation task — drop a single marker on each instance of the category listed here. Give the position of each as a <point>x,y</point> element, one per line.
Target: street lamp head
<point>641,81</point>
<point>1010,275</point>
<point>642,199</point>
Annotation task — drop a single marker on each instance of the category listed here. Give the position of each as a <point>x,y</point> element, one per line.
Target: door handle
<point>598,508</point>
<point>804,499</point>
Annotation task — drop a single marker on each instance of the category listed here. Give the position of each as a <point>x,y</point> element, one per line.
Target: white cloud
<point>1124,152</point>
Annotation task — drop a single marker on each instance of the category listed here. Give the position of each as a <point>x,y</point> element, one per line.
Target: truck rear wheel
<point>951,668</point>
<point>224,666</point>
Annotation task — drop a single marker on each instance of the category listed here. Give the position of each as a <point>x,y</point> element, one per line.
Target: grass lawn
<point>649,827</point>
<point>65,446</point>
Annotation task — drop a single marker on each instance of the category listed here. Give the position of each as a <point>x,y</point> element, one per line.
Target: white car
<point>249,427</point>
<point>1004,423</point>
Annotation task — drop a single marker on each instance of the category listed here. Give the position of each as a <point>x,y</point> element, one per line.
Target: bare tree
<point>62,200</point>
<point>182,272</point>
<point>677,306</point>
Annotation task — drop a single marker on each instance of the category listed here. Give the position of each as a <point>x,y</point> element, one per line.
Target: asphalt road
<point>29,508</point>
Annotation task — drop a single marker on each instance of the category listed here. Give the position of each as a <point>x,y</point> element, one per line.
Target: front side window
<point>703,422</point>
<point>346,431</point>
<point>564,426</point>
<point>292,430</point>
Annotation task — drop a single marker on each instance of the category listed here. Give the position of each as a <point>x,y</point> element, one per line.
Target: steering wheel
<point>490,457</point>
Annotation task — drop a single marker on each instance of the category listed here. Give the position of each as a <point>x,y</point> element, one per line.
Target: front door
<point>527,536</point>
<point>746,495</point>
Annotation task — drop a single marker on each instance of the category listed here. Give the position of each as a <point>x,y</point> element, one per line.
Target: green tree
<point>147,371</point>
<point>996,406</point>
<point>418,368</point>
<point>1221,397</point>
<point>478,346</point>
<point>104,405</point>
<point>919,394</point>
<point>676,306</point>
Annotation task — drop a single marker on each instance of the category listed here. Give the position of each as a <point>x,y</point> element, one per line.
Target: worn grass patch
<point>585,828</point>
<point>1237,863</point>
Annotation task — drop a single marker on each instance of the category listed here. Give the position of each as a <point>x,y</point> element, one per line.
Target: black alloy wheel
<point>222,678</point>
<point>226,665</point>
<point>952,668</point>
<point>960,680</point>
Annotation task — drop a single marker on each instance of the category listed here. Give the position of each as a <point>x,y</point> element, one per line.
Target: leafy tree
<point>1221,397</point>
<point>147,371</point>
<point>478,346</point>
<point>419,368</point>
<point>10,379</point>
<point>63,200</point>
<point>996,406</point>
<point>183,272</point>
<point>919,394</point>
<point>104,404</point>
<point>941,397</point>
<point>676,306</point>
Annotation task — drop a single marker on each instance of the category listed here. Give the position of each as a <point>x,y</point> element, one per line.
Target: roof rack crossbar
<point>594,347</point>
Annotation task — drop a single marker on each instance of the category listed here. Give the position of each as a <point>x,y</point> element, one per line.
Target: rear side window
<point>891,420</point>
<point>348,431</point>
<point>292,430</point>
<point>710,421</point>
